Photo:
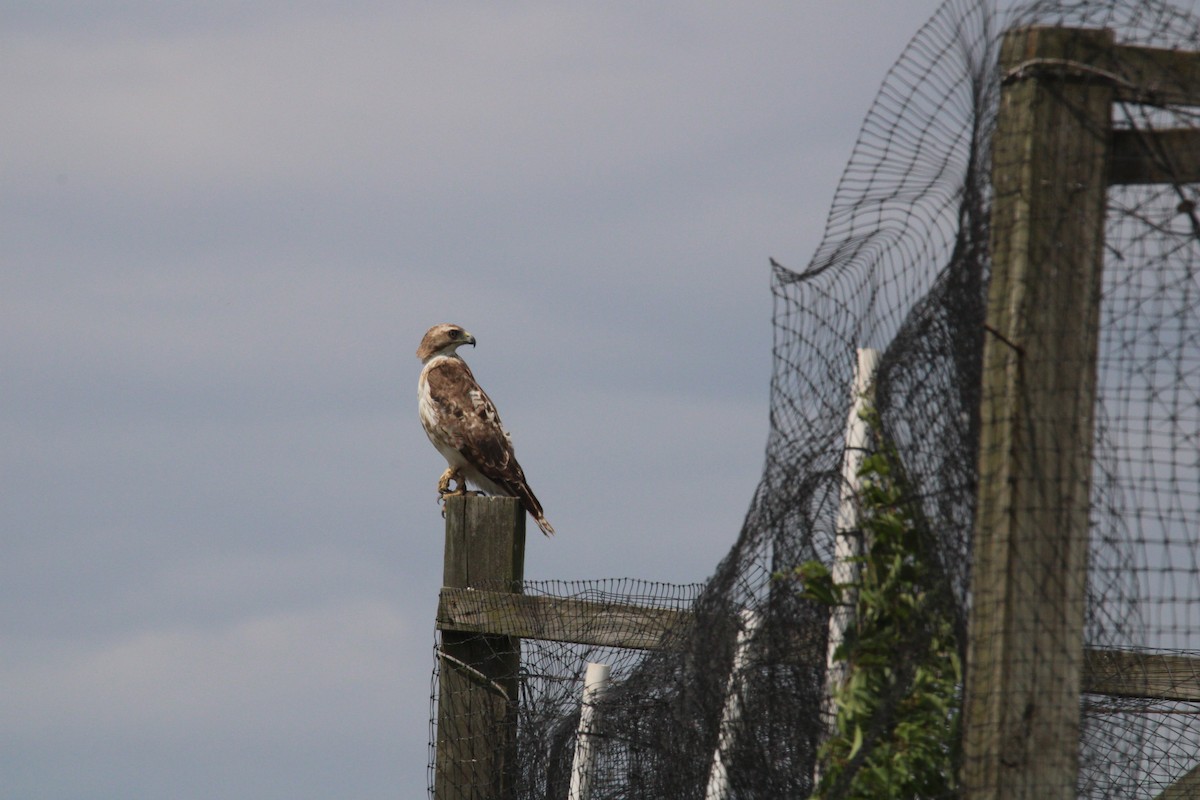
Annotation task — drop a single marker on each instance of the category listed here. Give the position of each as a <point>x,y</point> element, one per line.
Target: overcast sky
<point>225,227</point>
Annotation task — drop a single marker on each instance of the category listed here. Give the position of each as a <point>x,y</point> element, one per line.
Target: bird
<point>462,423</point>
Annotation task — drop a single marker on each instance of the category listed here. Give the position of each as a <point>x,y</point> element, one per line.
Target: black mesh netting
<point>904,269</point>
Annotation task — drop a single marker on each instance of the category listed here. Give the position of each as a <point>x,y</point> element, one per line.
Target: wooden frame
<point>1054,154</point>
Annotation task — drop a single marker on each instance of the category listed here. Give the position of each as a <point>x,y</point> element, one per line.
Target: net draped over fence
<point>904,269</point>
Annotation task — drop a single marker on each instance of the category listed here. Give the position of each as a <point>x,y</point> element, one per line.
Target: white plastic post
<point>718,778</point>
<point>848,543</point>
<point>595,682</point>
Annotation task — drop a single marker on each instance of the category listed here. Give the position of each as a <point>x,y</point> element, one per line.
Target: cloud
<point>226,226</point>
<point>294,680</point>
<point>247,677</point>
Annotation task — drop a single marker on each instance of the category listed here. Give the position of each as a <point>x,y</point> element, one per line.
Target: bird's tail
<point>532,505</point>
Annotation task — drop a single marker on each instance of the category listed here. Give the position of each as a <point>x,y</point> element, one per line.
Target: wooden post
<point>477,673</point>
<point>1025,654</point>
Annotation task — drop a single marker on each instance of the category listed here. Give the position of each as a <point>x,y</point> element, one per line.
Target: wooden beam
<point>1126,673</point>
<point>1025,648</point>
<point>1186,788</point>
<point>477,672</point>
<point>1145,75</point>
<point>559,619</point>
<point>1153,75</point>
<point>1164,156</point>
<point>1117,673</point>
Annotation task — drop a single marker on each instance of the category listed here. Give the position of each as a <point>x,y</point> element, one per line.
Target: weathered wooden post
<point>1025,656</point>
<point>477,675</point>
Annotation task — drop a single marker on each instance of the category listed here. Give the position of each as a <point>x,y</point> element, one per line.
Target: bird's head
<point>443,340</point>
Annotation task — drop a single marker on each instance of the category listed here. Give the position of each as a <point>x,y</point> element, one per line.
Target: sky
<point>225,228</point>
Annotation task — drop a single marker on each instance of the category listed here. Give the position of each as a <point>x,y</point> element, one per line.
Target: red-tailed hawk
<point>461,421</point>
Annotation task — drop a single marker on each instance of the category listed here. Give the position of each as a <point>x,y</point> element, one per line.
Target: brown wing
<point>470,423</point>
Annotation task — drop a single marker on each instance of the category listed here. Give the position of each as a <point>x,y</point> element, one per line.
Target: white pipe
<point>718,779</point>
<point>595,683</point>
<point>848,543</point>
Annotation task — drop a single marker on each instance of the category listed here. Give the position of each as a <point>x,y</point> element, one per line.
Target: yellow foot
<point>451,474</point>
<point>444,490</point>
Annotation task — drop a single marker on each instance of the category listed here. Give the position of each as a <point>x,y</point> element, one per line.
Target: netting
<point>735,702</point>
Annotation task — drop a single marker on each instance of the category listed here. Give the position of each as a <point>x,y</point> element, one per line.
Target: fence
<point>1045,692</point>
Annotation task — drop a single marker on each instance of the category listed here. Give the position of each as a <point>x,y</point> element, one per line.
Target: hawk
<point>461,421</point>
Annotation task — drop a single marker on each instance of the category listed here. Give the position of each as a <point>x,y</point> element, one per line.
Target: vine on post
<point>896,732</point>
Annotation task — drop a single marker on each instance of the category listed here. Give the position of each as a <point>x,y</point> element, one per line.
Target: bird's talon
<point>444,490</point>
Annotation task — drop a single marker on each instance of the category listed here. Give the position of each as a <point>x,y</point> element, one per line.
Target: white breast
<point>428,412</point>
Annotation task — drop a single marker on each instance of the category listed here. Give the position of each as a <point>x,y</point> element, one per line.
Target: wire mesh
<point>905,267</point>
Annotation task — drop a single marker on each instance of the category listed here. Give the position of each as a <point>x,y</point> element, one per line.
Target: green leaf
<point>905,676</point>
<point>857,743</point>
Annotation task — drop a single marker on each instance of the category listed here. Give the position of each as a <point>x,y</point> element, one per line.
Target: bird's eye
<point>453,334</point>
